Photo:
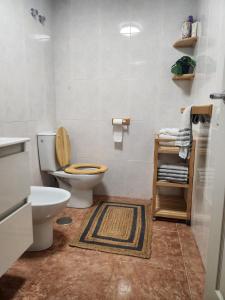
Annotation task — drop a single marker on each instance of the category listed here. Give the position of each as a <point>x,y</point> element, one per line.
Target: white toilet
<point>46,202</point>
<point>79,179</point>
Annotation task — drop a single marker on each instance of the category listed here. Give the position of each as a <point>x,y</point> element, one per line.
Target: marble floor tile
<point>163,225</point>
<point>189,248</point>
<point>130,281</point>
<point>166,250</point>
<point>64,272</point>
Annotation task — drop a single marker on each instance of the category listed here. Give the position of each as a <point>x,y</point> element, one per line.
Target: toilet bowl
<point>80,186</point>
<point>80,179</point>
<point>46,202</point>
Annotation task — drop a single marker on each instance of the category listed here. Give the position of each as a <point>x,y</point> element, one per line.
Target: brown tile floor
<point>174,270</point>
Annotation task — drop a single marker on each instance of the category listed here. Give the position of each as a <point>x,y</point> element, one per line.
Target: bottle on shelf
<point>186,28</point>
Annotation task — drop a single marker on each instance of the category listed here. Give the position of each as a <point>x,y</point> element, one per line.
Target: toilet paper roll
<point>118,130</point>
<point>117,121</point>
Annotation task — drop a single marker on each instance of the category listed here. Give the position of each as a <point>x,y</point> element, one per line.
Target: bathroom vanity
<point>16,232</point>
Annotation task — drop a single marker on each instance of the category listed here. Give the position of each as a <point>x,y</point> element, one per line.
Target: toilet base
<point>80,198</point>
<point>43,236</point>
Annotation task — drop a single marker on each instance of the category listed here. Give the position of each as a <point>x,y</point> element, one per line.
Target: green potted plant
<point>184,65</point>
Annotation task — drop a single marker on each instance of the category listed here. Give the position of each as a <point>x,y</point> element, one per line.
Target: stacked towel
<point>173,173</point>
<point>169,131</point>
<point>184,141</point>
<point>181,137</point>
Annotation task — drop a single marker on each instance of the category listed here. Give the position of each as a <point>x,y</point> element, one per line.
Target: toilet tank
<point>46,151</point>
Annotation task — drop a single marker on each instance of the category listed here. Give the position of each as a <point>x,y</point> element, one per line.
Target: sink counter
<point>8,141</point>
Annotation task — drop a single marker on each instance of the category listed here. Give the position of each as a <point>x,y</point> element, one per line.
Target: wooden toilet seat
<point>86,169</point>
<point>63,154</point>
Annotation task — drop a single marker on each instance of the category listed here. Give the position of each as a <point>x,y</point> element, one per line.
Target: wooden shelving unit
<point>184,77</point>
<point>172,207</point>
<point>201,110</point>
<point>185,43</point>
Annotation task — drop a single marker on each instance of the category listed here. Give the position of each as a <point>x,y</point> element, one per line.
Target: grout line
<point>162,229</point>
<point>185,268</point>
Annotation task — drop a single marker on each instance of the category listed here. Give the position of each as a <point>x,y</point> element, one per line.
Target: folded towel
<point>167,136</point>
<point>175,167</point>
<point>172,179</point>
<point>184,139</point>
<point>168,144</point>
<point>169,131</point>
<point>181,136</point>
<point>173,171</point>
<point>161,174</point>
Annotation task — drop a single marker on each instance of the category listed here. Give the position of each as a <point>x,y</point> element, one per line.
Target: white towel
<point>167,136</point>
<point>169,131</point>
<point>168,144</point>
<point>161,174</point>
<point>172,179</point>
<point>173,171</point>
<point>176,167</point>
<point>185,132</point>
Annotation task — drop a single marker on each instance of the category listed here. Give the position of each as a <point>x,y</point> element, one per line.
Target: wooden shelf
<point>173,207</point>
<point>168,150</point>
<point>201,110</point>
<point>172,184</point>
<point>184,77</point>
<point>185,43</point>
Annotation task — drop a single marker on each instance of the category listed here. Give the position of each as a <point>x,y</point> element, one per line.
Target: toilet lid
<point>63,148</point>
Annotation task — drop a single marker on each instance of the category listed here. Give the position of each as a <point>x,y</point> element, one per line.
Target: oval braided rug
<point>117,227</point>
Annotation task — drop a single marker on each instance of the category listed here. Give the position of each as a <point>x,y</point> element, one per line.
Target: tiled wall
<point>100,74</point>
<point>27,103</point>
<point>210,56</point>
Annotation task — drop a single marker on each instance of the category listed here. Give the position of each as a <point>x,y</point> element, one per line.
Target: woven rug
<point>117,227</point>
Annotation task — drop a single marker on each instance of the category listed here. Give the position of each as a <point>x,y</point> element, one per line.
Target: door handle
<point>217,96</point>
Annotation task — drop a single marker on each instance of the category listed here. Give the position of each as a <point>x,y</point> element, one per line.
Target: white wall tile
<point>114,182</point>
<point>27,102</point>
<point>100,74</point>
<point>113,16</point>
<point>138,179</point>
<point>113,98</point>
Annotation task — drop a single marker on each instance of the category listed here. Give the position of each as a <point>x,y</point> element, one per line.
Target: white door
<point>215,270</point>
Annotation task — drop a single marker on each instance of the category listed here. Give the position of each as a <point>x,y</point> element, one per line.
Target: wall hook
<point>42,19</point>
<point>34,12</point>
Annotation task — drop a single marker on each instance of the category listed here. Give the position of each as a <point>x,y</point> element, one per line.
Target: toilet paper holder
<point>126,121</point>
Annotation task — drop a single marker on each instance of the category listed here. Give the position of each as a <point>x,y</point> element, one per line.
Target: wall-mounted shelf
<point>184,77</point>
<point>201,110</point>
<point>185,43</point>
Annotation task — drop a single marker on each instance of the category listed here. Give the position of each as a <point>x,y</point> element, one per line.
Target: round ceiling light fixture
<point>130,29</point>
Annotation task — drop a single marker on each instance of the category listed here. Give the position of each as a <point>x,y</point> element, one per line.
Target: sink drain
<point>64,221</point>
